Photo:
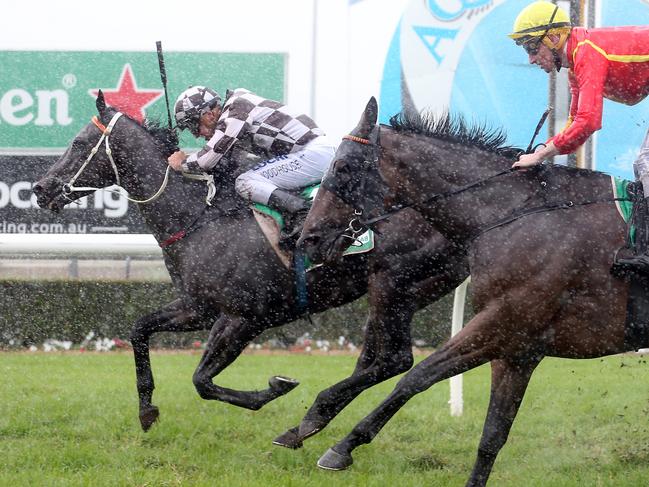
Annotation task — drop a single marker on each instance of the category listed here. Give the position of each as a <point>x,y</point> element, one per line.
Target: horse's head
<point>352,187</point>
<point>103,153</point>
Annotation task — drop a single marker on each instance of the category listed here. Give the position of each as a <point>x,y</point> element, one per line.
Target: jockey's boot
<point>636,262</point>
<point>294,209</point>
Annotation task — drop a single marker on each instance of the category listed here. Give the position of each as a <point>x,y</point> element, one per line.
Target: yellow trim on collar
<point>622,58</point>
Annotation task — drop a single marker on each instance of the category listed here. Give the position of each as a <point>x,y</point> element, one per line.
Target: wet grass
<point>71,419</point>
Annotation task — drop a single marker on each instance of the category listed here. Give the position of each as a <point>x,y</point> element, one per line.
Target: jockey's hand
<point>176,160</point>
<point>536,158</point>
<point>529,160</point>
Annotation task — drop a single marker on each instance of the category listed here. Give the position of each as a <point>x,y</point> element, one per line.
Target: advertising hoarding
<point>46,97</point>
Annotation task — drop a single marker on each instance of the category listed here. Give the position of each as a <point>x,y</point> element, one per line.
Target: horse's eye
<point>344,174</point>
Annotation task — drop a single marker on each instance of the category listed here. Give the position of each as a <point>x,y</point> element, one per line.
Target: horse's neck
<point>181,202</point>
<point>461,211</point>
<point>168,213</point>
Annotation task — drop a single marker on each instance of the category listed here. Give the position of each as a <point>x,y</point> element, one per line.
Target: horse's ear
<point>372,111</point>
<point>101,103</point>
<point>368,119</point>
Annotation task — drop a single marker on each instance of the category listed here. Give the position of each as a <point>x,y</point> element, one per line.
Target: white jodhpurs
<point>291,171</point>
<point>641,165</point>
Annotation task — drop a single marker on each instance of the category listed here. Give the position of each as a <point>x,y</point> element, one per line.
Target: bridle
<point>69,188</point>
<point>345,191</point>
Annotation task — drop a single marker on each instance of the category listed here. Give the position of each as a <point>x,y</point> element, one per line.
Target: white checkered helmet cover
<point>192,103</point>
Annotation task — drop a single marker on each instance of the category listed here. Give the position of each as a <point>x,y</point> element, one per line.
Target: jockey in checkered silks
<point>298,153</point>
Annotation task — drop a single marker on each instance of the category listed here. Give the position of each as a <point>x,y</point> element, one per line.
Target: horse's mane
<point>166,137</point>
<point>454,128</point>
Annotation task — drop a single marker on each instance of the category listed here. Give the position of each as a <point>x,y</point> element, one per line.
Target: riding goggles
<point>532,46</point>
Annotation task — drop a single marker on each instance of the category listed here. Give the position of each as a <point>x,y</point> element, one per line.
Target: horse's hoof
<point>309,428</point>
<point>290,439</point>
<point>332,460</point>
<point>282,385</point>
<point>148,417</point>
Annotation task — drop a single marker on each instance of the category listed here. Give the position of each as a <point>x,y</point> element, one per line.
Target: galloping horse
<point>230,280</point>
<point>540,245</point>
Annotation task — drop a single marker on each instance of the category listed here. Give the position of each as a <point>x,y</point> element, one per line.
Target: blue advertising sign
<point>456,56</point>
<point>623,127</point>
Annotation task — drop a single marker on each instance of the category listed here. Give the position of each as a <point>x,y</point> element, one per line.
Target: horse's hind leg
<point>228,339</point>
<point>509,380</point>
<point>172,317</point>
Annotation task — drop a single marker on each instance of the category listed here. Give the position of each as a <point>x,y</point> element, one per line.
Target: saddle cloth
<point>636,327</point>
<point>271,223</point>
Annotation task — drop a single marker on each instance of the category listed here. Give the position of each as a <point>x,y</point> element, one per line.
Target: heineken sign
<point>46,97</point>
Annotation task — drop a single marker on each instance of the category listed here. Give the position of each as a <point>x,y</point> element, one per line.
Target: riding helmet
<point>192,103</point>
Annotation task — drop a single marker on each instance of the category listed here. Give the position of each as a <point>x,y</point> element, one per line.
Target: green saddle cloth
<point>364,242</point>
<point>625,208</point>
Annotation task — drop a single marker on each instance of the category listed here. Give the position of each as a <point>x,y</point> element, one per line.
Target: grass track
<point>71,419</point>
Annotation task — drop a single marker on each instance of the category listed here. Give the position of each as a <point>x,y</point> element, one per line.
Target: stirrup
<point>626,265</point>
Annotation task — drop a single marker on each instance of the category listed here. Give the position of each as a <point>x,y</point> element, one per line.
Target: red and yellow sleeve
<point>587,89</point>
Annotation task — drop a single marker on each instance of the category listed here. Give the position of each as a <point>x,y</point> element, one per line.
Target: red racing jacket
<point>608,63</point>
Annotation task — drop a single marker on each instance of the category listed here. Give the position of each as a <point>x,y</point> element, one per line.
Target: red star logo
<point>127,98</point>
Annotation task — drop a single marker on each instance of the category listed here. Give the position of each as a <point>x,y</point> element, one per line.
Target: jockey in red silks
<point>608,63</point>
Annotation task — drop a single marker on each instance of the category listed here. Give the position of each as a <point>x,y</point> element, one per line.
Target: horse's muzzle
<point>46,192</point>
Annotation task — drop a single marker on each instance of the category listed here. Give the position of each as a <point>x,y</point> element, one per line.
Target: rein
<point>516,215</point>
<point>69,188</point>
<point>397,208</point>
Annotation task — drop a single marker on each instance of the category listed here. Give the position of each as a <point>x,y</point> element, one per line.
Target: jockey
<point>603,62</point>
<point>298,153</point>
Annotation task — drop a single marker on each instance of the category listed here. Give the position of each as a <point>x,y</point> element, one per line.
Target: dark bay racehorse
<point>540,245</point>
<point>230,280</point>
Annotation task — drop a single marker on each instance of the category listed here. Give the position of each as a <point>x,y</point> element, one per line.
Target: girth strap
<point>512,217</point>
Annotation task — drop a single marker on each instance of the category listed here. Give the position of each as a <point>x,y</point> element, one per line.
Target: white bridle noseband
<point>106,130</point>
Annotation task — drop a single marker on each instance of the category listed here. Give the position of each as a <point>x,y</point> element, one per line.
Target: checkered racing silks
<point>259,125</point>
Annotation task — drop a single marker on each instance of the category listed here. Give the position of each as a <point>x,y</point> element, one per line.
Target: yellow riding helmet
<point>539,19</point>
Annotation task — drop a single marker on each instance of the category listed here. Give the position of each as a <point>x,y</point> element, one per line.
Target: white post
<point>456,401</point>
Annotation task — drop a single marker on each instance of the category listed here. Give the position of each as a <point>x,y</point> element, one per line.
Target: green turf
<point>71,419</point>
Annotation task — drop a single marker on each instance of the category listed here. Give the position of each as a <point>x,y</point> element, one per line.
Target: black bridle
<point>363,187</point>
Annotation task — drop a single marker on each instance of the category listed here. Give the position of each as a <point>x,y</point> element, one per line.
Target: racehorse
<point>540,245</point>
<point>230,280</point>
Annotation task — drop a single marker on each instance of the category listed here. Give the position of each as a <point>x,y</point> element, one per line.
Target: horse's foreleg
<point>228,339</point>
<point>386,352</point>
<point>509,381</point>
<point>172,317</point>
<point>472,347</point>
<point>399,285</point>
